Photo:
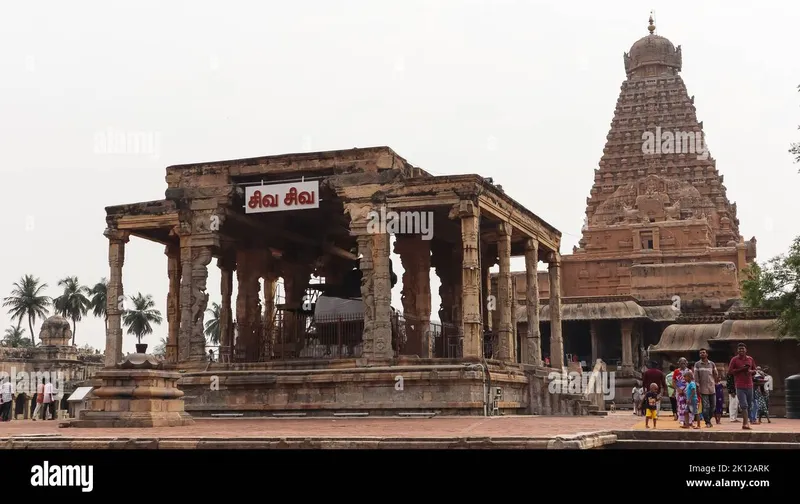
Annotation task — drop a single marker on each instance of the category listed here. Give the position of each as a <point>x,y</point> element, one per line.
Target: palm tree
<point>26,300</point>
<point>161,349</point>
<point>139,318</point>
<point>99,295</point>
<point>15,337</point>
<point>73,303</point>
<point>212,326</point>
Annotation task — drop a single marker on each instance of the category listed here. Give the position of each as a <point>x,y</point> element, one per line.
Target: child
<point>719,393</point>
<point>691,402</point>
<point>637,393</point>
<point>651,399</point>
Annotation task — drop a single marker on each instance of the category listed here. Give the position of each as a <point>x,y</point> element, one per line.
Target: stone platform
<point>135,393</point>
<point>513,432</point>
<point>421,387</point>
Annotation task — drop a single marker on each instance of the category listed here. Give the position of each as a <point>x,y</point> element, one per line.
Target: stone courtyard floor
<point>388,427</point>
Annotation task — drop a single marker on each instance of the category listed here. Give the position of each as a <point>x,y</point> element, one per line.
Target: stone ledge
<point>580,441</point>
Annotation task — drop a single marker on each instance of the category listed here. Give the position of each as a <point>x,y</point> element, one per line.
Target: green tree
<point>26,301</point>
<point>139,319</point>
<point>15,337</point>
<point>99,297</point>
<point>795,148</point>
<point>74,302</point>
<point>212,325</point>
<point>774,286</point>
<point>161,349</point>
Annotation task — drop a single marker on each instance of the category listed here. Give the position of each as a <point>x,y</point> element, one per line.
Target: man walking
<point>705,373</point>
<point>48,402</point>
<point>7,395</point>
<point>743,367</point>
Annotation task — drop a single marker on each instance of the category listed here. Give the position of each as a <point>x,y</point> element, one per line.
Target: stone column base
<point>136,393</point>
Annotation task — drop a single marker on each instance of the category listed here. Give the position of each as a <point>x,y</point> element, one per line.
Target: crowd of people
<point>697,394</point>
<point>43,403</point>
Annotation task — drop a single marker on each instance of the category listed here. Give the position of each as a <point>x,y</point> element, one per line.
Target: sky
<point>520,91</point>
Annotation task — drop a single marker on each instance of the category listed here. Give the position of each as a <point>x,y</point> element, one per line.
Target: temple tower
<point>656,145</point>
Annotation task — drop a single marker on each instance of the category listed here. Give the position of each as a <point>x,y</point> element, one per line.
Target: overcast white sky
<point>521,91</point>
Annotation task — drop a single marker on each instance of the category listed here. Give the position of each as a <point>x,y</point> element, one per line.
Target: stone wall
<point>714,282</point>
<point>382,390</point>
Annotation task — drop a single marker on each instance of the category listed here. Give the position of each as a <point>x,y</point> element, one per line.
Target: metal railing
<point>297,335</point>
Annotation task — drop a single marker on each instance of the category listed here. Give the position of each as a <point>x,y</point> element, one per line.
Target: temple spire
<point>652,27</point>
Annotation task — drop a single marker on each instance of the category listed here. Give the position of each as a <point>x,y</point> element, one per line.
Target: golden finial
<point>652,26</point>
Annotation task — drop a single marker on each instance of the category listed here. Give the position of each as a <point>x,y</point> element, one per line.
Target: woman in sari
<point>680,388</point>
<point>760,399</point>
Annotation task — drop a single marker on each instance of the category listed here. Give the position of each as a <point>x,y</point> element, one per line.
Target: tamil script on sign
<point>281,197</point>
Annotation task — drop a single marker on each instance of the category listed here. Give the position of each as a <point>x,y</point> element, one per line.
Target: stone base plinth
<point>421,387</point>
<point>135,398</point>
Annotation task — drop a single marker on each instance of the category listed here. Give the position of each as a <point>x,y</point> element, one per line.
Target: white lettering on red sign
<point>282,197</point>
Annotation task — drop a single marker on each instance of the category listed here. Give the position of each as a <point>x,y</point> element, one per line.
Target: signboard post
<point>282,197</point>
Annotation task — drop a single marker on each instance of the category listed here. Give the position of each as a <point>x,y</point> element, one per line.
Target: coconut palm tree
<point>74,302</point>
<point>138,319</point>
<point>15,337</point>
<point>212,325</point>
<point>26,300</point>
<point>161,349</point>
<point>99,298</point>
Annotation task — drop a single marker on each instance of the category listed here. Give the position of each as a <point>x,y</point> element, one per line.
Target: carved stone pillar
<point>533,344</point>
<point>556,340</point>
<point>115,295</point>
<point>226,265</point>
<point>486,285</point>
<point>470,309</point>
<point>376,282</point>
<point>595,342</point>
<point>296,278</point>
<point>268,317</point>
<point>185,331</point>
<point>415,255</point>
<point>248,305</point>
<point>376,291</point>
<point>505,332</point>
<point>441,253</point>
<point>201,258</point>
<point>173,301</point>
<point>626,328</point>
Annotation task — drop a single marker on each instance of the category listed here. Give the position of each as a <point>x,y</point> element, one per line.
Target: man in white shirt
<point>49,401</point>
<point>39,395</point>
<point>7,399</point>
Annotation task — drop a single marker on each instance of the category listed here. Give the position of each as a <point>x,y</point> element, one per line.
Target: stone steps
<point>708,435</point>
<point>662,444</point>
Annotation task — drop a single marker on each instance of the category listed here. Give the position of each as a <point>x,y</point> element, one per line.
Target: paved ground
<point>666,422</point>
<point>515,426</point>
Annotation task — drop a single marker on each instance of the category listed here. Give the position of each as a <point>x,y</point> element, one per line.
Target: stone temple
<point>658,269</point>
<point>335,344</point>
<point>656,275</point>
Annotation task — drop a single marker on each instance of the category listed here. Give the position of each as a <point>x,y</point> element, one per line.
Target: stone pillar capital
<point>553,258</point>
<point>115,235</point>
<point>464,209</point>
<point>532,244</point>
<point>505,229</point>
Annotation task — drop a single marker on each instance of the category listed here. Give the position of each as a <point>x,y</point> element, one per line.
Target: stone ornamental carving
<point>56,331</point>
